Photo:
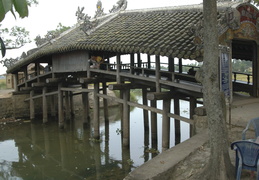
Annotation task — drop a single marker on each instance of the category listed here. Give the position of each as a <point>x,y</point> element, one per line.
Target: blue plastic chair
<point>247,155</point>
<point>255,123</point>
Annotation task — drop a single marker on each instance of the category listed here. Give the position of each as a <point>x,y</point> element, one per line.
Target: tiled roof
<point>162,31</point>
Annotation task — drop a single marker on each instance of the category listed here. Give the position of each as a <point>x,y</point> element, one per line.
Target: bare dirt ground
<point>197,161</point>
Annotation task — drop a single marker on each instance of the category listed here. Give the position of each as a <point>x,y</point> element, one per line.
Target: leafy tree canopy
<point>17,36</point>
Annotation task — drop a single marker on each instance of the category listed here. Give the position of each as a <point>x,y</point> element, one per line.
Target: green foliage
<point>242,66</point>
<point>15,37</point>
<point>60,29</point>
<point>20,6</point>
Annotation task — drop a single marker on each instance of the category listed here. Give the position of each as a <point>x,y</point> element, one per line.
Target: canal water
<point>33,151</point>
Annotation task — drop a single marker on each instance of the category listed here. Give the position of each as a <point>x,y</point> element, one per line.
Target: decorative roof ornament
<point>121,5</point>
<point>87,25</point>
<point>99,12</point>
<point>80,15</point>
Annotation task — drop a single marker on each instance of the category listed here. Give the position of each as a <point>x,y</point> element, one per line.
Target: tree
<point>219,166</point>
<point>20,34</point>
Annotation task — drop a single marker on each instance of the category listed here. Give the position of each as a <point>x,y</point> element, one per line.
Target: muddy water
<point>31,150</point>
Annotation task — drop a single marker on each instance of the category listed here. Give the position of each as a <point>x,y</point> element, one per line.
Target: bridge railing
<point>242,77</point>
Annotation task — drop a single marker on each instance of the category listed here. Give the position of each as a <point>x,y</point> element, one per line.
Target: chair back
<point>248,152</point>
<point>255,123</point>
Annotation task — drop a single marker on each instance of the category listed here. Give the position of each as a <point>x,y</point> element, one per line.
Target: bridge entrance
<point>244,67</point>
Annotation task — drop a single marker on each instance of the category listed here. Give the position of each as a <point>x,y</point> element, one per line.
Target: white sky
<point>49,13</point>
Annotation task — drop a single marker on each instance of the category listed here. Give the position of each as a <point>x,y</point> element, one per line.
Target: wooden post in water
<point>60,107</point>
<point>166,124</point>
<point>67,109</point>
<point>126,118</point>
<point>71,100</point>
<point>96,109</point>
<point>177,127</point>
<point>32,107</point>
<point>85,102</point>
<point>145,112</point>
<point>44,105</point>
<point>154,125</point>
<point>105,104</point>
<point>52,106</point>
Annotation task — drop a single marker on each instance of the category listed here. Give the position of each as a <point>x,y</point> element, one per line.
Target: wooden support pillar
<point>32,107</point>
<point>171,67</point>
<point>105,104</point>
<point>177,126</point>
<point>132,64</point>
<point>180,65</point>
<point>139,60</point>
<point>16,79</point>
<point>52,106</point>
<point>118,70</point>
<point>166,125</point>
<point>44,105</point>
<point>148,62</point>
<point>126,119</point>
<point>158,75</point>
<point>85,102</point>
<point>60,107</point>
<point>145,112</point>
<point>71,100</point>
<point>67,108</point>
<point>26,77</point>
<point>154,125</point>
<point>96,109</point>
<point>88,67</point>
<point>37,71</point>
<point>193,105</point>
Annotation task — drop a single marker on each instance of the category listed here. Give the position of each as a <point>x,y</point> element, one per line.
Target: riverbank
<point>190,157</point>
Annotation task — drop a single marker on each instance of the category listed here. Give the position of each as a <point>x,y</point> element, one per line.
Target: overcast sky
<point>49,13</point>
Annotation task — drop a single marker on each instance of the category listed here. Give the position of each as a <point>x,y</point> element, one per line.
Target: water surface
<point>32,150</point>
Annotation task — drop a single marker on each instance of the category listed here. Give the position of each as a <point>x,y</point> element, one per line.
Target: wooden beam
<point>38,84</point>
<point>55,80</point>
<point>84,80</point>
<point>124,86</point>
<point>160,95</point>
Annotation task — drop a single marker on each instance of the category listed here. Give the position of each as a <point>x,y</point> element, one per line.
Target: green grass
<point>2,84</point>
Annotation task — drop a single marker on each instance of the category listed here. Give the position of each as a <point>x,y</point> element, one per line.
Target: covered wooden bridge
<point>142,49</point>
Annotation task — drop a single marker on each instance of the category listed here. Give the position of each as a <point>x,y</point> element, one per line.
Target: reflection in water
<point>37,151</point>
